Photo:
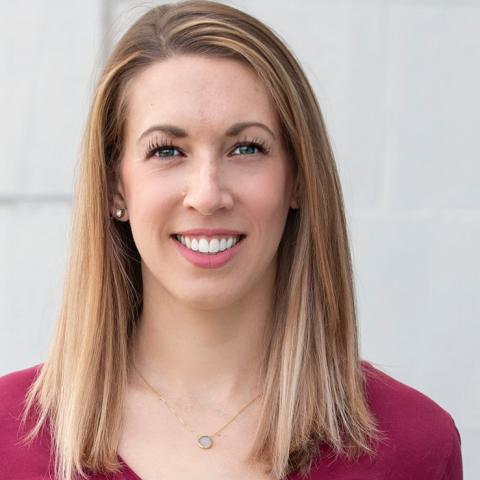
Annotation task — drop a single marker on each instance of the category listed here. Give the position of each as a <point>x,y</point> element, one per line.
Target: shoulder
<point>420,434</point>
<point>15,384</point>
<point>32,461</point>
<point>13,388</point>
<point>17,458</point>
<point>399,404</point>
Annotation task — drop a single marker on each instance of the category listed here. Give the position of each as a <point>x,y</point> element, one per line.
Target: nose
<point>207,190</point>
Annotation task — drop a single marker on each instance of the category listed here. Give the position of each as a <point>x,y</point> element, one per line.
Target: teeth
<point>204,246</point>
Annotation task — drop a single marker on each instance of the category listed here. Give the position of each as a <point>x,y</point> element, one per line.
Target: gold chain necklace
<point>203,441</point>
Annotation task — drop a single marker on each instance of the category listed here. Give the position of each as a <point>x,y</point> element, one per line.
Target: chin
<point>207,299</point>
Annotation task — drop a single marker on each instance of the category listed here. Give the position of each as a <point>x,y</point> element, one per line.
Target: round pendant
<point>204,441</point>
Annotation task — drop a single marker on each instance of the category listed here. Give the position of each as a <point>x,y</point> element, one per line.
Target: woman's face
<point>189,163</point>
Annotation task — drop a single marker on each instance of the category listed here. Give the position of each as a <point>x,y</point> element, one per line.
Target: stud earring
<point>120,212</point>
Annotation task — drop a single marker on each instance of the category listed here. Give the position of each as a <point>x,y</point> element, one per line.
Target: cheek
<point>267,192</point>
<point>266,199</point>
<point>150,198</point>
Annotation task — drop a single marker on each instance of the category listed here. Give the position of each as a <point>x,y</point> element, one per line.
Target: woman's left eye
<point>250,146</point>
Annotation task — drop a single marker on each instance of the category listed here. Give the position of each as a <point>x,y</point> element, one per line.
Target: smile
<point>209,253</point>
<point>208,246</point>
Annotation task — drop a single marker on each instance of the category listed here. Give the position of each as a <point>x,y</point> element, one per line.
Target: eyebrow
<point>178,132</point>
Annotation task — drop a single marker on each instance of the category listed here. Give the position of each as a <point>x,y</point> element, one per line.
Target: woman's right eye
<point>160,148</point>
<point>163,151</point>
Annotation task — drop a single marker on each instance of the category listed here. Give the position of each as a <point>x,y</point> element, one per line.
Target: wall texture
<point>398,85</point>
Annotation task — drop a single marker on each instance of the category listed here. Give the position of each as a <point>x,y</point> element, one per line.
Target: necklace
<point>203,441</point>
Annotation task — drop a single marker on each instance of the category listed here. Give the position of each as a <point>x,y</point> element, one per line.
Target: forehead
<point>198,93</point>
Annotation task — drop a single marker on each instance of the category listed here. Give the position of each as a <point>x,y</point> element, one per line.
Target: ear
<point>116,197</point>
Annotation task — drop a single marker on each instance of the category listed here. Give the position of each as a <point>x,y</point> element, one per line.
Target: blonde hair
<point>314,379</point>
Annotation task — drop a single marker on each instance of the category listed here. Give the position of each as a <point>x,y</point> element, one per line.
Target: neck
<point>200,355</point>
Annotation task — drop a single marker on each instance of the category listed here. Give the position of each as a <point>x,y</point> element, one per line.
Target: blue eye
<point>255,143</point>
<point>251,145</point>
<point>162,148</point>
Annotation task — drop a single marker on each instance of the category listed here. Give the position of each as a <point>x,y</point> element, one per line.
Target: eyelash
<point>157,144</point>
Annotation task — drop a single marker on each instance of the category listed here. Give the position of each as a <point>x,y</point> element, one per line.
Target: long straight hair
<point>314,388</point>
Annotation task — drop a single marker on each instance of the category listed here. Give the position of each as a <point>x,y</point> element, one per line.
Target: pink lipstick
<point>208,260</point>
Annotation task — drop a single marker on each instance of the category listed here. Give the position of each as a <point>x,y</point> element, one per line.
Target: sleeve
<point>454,466</point>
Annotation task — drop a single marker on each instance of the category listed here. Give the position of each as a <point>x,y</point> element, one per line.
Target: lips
<point>207,260</point>
<point>210,232</point>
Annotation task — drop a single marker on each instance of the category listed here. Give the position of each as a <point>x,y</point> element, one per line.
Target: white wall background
<point>398,83</point>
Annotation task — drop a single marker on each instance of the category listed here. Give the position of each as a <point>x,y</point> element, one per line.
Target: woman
<point>208,325</point>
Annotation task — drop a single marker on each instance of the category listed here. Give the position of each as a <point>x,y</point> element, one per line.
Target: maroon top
<point>423,442</point>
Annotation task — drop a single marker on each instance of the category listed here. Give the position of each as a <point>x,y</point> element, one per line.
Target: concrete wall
<point>398,85</point>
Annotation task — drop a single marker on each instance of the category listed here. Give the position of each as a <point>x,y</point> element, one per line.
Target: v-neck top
<point>422,439</point>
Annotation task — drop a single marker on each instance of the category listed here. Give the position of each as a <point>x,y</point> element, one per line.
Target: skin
<point>199,341</point>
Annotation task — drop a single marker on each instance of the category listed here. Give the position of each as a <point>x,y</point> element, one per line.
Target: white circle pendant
<point>205,441</point>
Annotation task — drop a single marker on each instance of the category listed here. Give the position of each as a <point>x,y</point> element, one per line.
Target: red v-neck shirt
<point>423,442</point>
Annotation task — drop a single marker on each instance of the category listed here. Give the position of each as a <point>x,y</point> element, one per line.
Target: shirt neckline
<point>131,475</point>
